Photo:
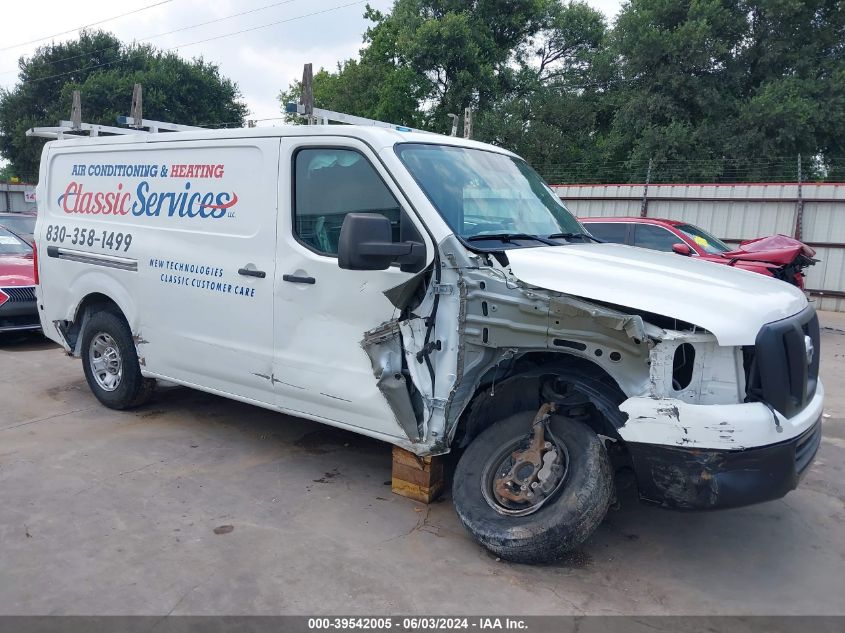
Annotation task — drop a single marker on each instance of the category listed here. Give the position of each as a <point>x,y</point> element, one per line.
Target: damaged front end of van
<point>678,381</point>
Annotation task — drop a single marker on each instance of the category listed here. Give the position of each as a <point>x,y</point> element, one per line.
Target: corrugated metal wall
<point>737,212</point>
<point>17,197</point>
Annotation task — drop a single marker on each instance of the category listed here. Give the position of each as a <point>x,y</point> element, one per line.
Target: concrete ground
<point>195,504</point>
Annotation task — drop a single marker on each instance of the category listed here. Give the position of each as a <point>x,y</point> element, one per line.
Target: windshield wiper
<point>570,236</point>
<point>510,237</point>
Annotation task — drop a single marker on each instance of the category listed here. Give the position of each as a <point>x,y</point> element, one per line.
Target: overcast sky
<point>262,61</point>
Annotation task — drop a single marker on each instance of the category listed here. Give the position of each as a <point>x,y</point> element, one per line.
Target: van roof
<point>377,137</point>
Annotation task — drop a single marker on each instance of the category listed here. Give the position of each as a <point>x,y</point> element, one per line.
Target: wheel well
<point>94,302</point>
<point>581,389</point>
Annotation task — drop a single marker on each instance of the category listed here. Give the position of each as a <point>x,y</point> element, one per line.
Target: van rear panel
<point>163,229</point>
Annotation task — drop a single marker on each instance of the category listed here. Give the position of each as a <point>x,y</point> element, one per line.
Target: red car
<point>18,310</point>
<point>777,256</point>
<point>21,224</point>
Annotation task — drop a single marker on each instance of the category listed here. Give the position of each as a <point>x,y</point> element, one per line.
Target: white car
<point>431,292</point>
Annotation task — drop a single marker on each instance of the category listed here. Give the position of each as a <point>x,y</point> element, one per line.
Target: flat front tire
<point>566,518</point>
<point>111,363</point>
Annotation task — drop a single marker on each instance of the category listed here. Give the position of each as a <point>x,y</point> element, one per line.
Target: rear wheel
<point>111,363</point>
<point>531,496</point>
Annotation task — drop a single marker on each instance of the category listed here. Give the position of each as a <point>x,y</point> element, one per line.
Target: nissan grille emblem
<point>810,349</point>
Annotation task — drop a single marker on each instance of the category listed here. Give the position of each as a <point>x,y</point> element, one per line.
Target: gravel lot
<point>195,504</point>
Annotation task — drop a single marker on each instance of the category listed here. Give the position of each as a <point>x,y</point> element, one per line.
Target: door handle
<point>252,273</point>
<point>296,279</point>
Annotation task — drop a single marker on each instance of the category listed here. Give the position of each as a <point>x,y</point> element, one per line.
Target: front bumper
<point>19,315</point>
<point>698,457</point>
<point>709,479</point>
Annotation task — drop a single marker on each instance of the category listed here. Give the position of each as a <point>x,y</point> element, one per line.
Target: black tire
<point>132,389</point>
<point>564,522</point>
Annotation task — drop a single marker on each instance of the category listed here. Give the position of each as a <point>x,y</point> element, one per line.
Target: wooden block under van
<point>418,478</point>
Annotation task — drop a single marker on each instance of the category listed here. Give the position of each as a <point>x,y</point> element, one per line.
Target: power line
<point>560,173</point>
<point>227,17</point>
<point>562,86</point>
<point>264,26</point>
<point>157,35</point>
<point>217,37</point>
<point>85,26</point>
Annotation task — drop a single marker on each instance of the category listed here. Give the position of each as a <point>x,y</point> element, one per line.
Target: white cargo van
<point>431,292</point>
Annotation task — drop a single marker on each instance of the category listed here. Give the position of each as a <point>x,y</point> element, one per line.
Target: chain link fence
<point>699,171</point>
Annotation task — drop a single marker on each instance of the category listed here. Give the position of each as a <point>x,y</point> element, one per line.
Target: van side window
<point>328,184</point>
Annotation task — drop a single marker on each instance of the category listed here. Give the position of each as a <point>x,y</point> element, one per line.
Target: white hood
<point>731,304</point>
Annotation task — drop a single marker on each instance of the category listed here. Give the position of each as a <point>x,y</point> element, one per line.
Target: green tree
<point>464,50</point>
<point>727,89</point>
<point>712,90</point>
<point>374,91</point>
<point>104,70</point>
<point>427,58</point>
<point>556,102</point>
<point>6,173</point>
<point>793,60</point>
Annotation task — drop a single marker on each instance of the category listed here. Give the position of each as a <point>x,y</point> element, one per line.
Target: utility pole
<point>76,111</point>
<point>468,123</point>
<point>644,204</point>
<point>306,96</point>
<point>137,109</point>
<point>799,204</point>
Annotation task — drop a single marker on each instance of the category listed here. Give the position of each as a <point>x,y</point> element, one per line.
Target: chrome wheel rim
<point>105,361</point>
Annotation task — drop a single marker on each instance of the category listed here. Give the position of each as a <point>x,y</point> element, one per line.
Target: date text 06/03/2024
<point>418,623</point>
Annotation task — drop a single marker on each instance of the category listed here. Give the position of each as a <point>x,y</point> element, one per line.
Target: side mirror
<point>682,249</point>
<point>366,243</point>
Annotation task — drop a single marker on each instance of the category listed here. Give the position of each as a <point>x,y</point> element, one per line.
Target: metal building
<point>17,197</point>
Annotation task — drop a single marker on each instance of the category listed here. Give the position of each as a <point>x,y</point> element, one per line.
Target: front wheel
<point>111,363</point>
<point>531,513</point>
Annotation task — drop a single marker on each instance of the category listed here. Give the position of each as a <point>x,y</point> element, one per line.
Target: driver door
<point>321,311</point>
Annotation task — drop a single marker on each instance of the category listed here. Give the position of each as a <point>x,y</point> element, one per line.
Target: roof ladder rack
<point>325,116</point>
<point>156,126</point>
<point>305,108</point>
<point>76,127</point>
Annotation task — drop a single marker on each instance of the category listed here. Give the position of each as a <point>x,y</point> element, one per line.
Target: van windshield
<point>485,195</point>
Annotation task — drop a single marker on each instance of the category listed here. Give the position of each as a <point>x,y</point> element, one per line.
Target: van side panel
<point>181,235</point>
